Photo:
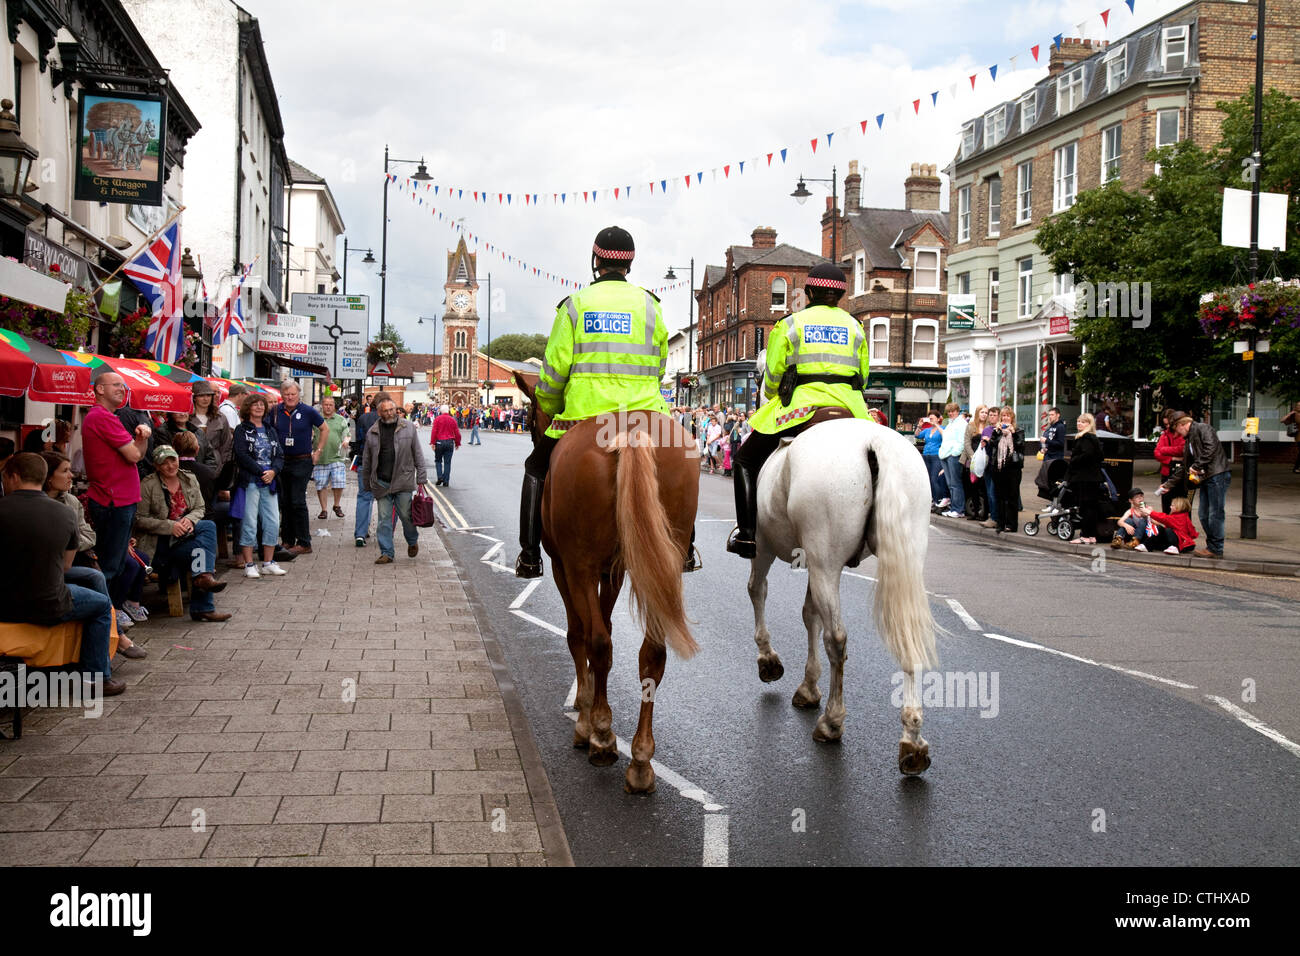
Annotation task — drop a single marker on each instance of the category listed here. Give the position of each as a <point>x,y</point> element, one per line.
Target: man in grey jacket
<point>1207,465</point>
<point>391,467</point>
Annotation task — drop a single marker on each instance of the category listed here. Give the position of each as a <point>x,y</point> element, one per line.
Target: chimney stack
<point>852,188</point>
<point>1071,51</point>
<point>763,237</point>
<point>921,189</point>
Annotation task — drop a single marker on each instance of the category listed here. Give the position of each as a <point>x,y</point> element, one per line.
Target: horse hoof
<point>803,701</point>
<point>639,779</point>
<point>602,758</point>
<point>827,733</point>
<point>913,760</point>
<point>770,669</point>
<point>580,740</point>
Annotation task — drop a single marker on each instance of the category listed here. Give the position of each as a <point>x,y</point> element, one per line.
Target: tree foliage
<point>1167,234</point>
<point>517,347</point>
<point>390,334</point>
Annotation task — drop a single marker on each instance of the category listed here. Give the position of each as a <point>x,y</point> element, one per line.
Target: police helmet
<point>613,247</point>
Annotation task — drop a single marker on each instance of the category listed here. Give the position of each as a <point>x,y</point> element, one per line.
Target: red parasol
<point>151,386</point>
<point>41,372</point>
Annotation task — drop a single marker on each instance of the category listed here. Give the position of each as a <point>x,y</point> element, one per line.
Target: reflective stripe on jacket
<point>822,340</point>
<point>607,351</point>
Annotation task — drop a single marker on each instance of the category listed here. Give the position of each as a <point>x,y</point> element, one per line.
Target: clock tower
<point>459,375</point>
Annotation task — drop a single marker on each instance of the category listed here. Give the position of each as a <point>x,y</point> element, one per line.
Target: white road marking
<point>1155,677</point>
<point>540,623</point>
<point>499,567</point>
<point>865,577</point>
<point>487,556</point>
<point>961,613</point>
<point>1011,640</point>
<point>723,520</point>
<point>716,848</point>
<point>1255,724</point>
<point>525,594</point>
<point>573,695</point>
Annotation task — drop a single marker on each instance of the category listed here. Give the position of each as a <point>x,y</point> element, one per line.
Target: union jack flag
<point>231,320</point>
<point>156,272</point>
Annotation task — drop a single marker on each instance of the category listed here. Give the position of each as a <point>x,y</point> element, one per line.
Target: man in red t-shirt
<point>111,454</point>
<point>445,440</point>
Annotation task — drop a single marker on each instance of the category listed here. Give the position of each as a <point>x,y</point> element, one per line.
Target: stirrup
<point>527,567</point>
<point>692,561</point>
<point>746,548</point>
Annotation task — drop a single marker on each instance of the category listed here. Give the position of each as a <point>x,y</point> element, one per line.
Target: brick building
<point>737,305</point>
<point>1101,109</point>
<point>893,259</point>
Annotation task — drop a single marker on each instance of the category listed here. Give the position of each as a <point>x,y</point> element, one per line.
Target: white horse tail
<point>899,529</point>
<point>646,547</point>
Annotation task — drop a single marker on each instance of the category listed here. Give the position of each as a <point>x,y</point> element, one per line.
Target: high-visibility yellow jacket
<point>607,351</point>
<point>822,340</point>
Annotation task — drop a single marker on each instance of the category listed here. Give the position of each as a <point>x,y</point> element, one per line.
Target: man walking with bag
<point>391,468</point>
<point>445,440</point>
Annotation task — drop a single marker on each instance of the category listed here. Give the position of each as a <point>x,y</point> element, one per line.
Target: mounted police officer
<point>816,359</point>
<point>607,353</point>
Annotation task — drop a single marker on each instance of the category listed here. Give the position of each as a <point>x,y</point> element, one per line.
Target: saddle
<point>825,414</point>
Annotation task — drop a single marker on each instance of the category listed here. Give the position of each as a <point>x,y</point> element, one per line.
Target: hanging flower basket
<point>690,381</point>
<point>69,329</point>
<point>1258,307</point>
<point>381,350</point>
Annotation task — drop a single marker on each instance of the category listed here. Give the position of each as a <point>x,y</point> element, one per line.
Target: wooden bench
<point>35,645</point>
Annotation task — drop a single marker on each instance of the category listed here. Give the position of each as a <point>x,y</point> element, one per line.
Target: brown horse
<point>620,497</point>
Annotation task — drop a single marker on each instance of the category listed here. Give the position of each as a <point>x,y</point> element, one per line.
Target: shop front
<point>734,384</point>
<point>904,396</point>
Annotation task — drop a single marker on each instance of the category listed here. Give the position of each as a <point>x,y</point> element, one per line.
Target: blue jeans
<point>473,436</point>
<point>442,459</point>
<point>952,472</point>
<point>112,536</point>
<point>385,503</point>
<point>94,610</point>
<point>365,501</point>
<point>1139,530</point>
<point>1214,500</point>
<point>260,503</point>
<point>201,544</point>
<point>993,496</point>
<point>937,486</point>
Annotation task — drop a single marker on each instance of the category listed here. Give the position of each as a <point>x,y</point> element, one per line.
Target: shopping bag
<point>422,508</point>
<point>979,461</point>
<point>237,503</point>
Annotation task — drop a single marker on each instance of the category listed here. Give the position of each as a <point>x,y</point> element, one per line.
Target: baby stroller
<point>1061,512</point>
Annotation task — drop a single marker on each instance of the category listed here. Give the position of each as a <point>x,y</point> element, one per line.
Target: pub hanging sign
<point>122,142</point>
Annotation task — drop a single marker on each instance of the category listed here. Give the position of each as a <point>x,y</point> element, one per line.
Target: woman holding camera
<point>1005,448</point>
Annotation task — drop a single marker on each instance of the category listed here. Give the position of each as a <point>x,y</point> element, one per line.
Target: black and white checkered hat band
<point>827,283</point>
<point>613,253</point>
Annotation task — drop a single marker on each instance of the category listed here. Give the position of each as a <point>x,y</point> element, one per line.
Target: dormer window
<point>1173,48</point>
<point>967,140</point>
<point>1069,91</point>
<point>995,127</point>
<point>1028,110</point>
<point>1116,63</point>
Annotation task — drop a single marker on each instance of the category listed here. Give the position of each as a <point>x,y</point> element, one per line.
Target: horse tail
<point>648,552</point>
<point>902,610</point>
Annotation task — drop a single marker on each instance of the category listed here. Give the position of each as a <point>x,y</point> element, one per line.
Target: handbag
<point>1292,430</point>
<point>237,503</point>
<point>422,508</point>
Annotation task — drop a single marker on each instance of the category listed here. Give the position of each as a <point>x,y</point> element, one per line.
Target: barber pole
<point>1042,388</point>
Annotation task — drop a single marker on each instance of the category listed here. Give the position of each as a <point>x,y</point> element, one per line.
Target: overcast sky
<point>564,96</point>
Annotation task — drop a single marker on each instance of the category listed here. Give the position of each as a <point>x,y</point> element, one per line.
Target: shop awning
<point>27,285</point>
<point>222,386</point>
<point>41,372</point>
<point>151,386</point>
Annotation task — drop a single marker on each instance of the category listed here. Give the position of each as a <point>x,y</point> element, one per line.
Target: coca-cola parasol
<point>41,372</point>
<point>151,386</point>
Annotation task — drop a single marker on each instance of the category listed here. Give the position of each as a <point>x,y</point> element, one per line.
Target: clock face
<point>460,301</point>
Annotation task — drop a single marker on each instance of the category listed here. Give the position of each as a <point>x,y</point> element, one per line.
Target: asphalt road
<point>1070,759</point>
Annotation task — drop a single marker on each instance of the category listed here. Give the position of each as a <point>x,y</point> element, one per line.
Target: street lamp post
<point>368,260</point>
<point>801,195</point>
<point>434,320</point>
<point>1250,445</point>
<point>191,287</point>
<point>489,340</point>
<point>421,175</point>
<point>670,275</point>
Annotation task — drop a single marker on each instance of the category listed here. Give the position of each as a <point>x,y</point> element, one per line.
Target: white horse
<point>842,489</point>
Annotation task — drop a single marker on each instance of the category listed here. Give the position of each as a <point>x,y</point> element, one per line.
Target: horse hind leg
<point>769,664</point>
<point>602,748</point>
<point>807,695</point>
<point>823,585</point>
<point>913,749</point>
<point>577,638</point>
<point>640,775</point>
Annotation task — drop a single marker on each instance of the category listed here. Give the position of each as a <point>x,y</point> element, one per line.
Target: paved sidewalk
<point>1274,550</point>
<point>246,727</point>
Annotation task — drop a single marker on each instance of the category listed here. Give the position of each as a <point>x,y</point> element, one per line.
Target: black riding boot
<point>529,563</point>
<point>742,540</point>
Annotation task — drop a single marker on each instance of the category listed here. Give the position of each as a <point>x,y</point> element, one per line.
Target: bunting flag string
<point>624,192</point>
<point>458,226</point>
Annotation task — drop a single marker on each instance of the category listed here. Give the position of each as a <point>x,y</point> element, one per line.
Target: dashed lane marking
<point>1255,724</point>
<point>525,594</point>
<point>960,611</point>
<point>546,625</point>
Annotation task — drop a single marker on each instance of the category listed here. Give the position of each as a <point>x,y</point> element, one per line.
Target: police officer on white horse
<point>816,359</point>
